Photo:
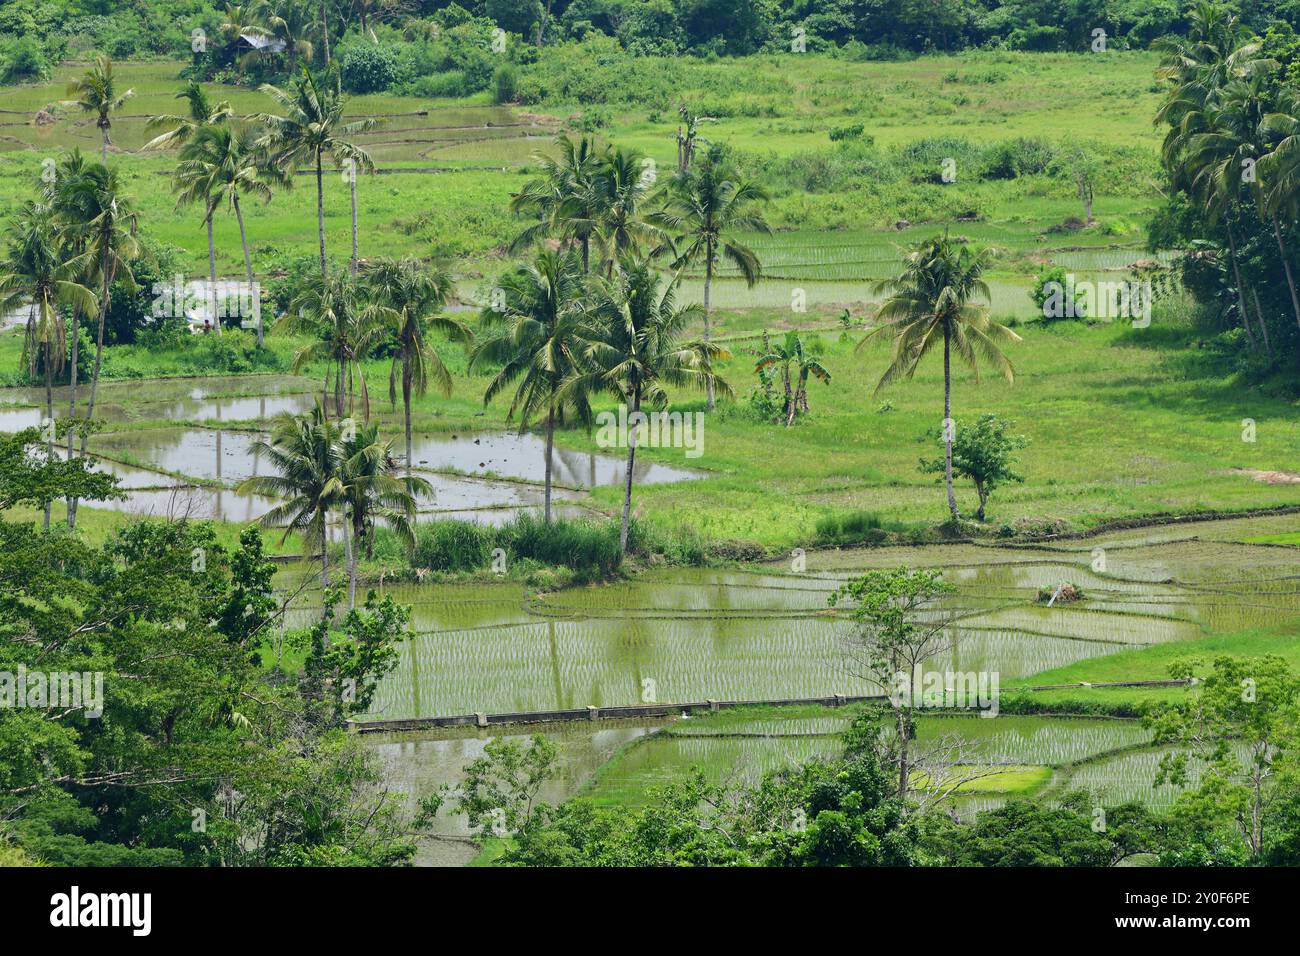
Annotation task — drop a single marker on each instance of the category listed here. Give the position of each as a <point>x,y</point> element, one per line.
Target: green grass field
<point>776,111</point>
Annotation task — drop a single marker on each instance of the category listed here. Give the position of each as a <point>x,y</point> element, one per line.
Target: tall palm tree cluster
<point>64,253</point>
<point>1232,148</point>
<point>592,313</point>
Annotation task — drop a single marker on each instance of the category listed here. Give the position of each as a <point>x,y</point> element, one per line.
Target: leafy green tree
<point>501,790</point>
<point>930,301</point>
<point>1028,833</point>
<point>898,625</point>
<point>96,92</point>
<point>984,453</point>
<point>1238,726</point>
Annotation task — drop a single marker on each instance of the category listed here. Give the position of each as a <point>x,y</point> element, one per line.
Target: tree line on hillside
<point>381,41</point>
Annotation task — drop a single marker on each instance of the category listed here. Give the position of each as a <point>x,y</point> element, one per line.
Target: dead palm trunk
<point>627,479</point>
<point>948,423</point>
<point>248,271</point>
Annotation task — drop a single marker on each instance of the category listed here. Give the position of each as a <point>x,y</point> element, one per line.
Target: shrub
<point>452,546</point>
<point>589,548</point>
<point>856,527</point>
<point>368,67</point>
<point>506,84</point>
<point>23,59</point>
<point>1018,157</point>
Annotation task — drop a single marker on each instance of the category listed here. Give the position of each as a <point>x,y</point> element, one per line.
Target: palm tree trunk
<point>1286,265</point>
<point>212,277</point>
<point>352,187</point>
<point>325,552</point>
<point>248,270</point>
<point>550,444</point>
<point>99,349</point>
<point>947,423</point>
<point>103,144</point>
<point>627,479</point>
<point>708,282</point>
<point>49,414</point>
<point>1241,291</point>
<point>325,28</point>
<point>586,254</point>
<point>349,532</point>
<point>406,405</point>
<point>72,404</point>
<point>320,211</point>
<point>1259,317</point>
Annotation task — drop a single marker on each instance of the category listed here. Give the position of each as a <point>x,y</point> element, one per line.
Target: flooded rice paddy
<point>173,470</point>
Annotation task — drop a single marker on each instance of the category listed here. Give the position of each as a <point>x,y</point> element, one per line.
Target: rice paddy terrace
<point>765,632</point>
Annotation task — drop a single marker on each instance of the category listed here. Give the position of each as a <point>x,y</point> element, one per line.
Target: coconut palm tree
<point>311,127</point>
<point>370,492</point>
<point>1279,180</point>
<point>930,300</point>
<point>621,186</point>
<point>1232,139</point>
<point>107,227</point>
<point>564,199</point>
<point>219,164</point>
<point>178,129</point>
<point>636,350</point>
<point>292,23</point>
<point>331,308</point>
<point>96,92</point>
<point>305,453</point>
<point>65,198</point>
<point>704,209</point>
<point>409,299</point>
<point>536,345</point>
<point>35,273</point>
